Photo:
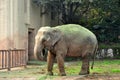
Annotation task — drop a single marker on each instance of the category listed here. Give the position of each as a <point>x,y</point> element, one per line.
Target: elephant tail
<point>95,51</point>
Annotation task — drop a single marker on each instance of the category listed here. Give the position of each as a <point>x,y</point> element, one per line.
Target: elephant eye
<point>43,40</point>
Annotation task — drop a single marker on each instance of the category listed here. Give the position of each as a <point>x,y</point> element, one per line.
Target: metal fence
<point>12,58</point>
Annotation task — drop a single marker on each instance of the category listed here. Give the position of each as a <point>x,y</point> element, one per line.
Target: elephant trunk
<point>38,54</point>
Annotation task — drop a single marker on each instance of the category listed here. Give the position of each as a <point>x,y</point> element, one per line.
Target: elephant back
<point>74,30</point>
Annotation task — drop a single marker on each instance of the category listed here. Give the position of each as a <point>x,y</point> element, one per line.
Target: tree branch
<point>87,8</point>
<point>76,8</point>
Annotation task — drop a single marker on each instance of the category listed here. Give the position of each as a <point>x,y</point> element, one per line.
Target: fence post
<point>9,60</point>
<point>2,59</point>
<point>25,66</point>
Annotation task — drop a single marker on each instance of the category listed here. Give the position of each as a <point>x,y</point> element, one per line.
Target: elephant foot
<point>62,74</point>
<point>84,73</point>
<point>50,73</point>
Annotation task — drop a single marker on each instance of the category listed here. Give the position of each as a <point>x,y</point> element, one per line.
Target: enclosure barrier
<point>12,58</point>
<point>103,53</point>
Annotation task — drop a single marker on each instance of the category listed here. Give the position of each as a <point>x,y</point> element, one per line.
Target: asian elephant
<point>65,40</point>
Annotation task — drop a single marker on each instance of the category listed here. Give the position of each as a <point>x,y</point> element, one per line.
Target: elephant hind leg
<point>85,66</point>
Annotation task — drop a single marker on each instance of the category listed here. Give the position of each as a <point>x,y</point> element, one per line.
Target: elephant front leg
<point>50,62</point>
<point>60,61</point>
<point>85,66</point>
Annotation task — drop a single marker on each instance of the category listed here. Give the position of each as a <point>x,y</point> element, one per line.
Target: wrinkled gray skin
<point>66,40</point>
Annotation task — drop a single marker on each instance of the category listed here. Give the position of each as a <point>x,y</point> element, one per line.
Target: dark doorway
<point>31,36</point>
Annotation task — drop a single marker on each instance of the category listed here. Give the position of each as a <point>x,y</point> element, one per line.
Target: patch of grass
<point>35,62</point>
<point>44,77</point>
<point>115,71</point>
<point>30,71</point>
<point>100,67</point>
<point>71,68</point>
<point>107,66</point>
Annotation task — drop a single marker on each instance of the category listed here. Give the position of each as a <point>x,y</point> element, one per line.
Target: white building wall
<point>14,23</point>
<point>17,17</point>
<point>12,27</point>
<point>19,22</point>
<point>4,23</point>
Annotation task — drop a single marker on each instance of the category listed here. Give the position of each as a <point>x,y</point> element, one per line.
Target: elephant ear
<point>56,35</point>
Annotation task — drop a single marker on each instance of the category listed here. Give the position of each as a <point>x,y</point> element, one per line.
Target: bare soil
<point>91,77</point>
<point>78,77</point>
<point>82,77</point>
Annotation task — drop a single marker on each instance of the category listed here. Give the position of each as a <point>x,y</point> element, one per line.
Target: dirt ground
<point>91,77</point>
<point>82,77</point>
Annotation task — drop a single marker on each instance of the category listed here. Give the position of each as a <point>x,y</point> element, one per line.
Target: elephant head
<point>46,37</point>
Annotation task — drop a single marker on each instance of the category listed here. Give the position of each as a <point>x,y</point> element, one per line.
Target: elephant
<point>65,40</point>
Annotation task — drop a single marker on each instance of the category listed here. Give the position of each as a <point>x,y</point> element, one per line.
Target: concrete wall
<point>3,23</point>
<point>19,22</point>
<point>12,27</point>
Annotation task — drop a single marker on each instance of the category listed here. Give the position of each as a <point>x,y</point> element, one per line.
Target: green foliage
<point>105,13</point>
<point>117,45</point>
<point>66,10</point>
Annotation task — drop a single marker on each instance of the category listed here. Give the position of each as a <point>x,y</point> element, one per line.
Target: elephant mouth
<point>44,54</point>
